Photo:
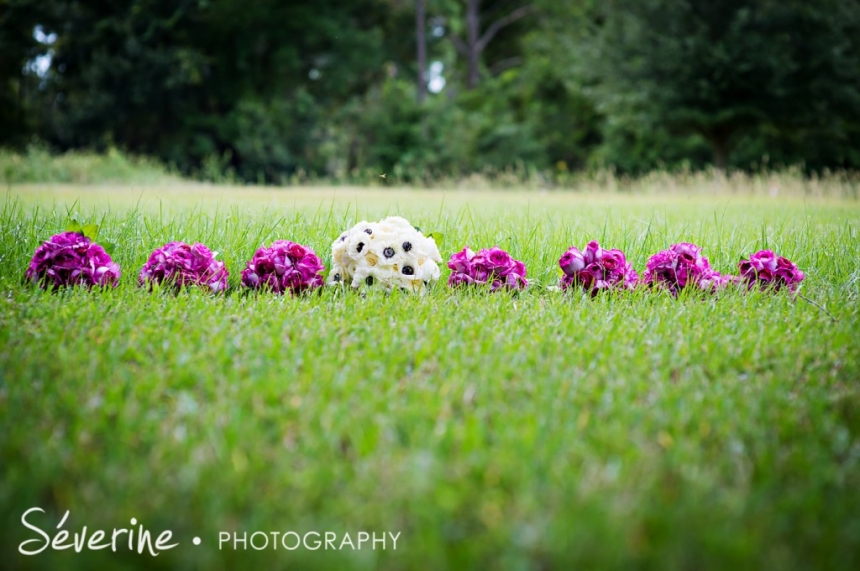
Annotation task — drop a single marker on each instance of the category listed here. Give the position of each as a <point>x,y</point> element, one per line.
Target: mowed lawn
<point>536,431</point>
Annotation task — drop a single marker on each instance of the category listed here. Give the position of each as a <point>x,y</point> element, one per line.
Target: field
<point>530,431</point>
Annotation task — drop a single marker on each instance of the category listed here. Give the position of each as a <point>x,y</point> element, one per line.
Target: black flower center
<point>406,247</point>
<point>408,270</point>
<point>388,252</point>
<point>359,247</point>
<point>369,280</point>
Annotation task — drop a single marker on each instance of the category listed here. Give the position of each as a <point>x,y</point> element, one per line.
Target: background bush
<point>274,92</point>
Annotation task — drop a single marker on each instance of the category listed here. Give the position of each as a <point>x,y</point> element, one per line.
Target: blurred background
<point>272,91</point>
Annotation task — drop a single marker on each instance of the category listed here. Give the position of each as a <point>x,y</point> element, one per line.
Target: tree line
<point>265,89</point>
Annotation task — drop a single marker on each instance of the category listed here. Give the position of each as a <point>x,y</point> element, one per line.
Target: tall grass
<point>37,165</point>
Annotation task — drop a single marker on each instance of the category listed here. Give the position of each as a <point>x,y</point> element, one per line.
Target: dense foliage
<point>267,90</point>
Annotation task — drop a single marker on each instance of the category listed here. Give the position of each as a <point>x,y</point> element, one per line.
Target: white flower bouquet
<point>387,254</point>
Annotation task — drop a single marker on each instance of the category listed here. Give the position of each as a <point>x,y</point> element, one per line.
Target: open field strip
<point>493,431</point>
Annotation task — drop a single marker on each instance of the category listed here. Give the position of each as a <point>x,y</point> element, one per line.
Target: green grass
<point>538,431</point>
<point>38,165</point>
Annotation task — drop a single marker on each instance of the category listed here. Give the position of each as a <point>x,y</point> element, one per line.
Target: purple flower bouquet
<point>683,266</point>
<point>180,265</point>
<point>766,270</point>
<point>284,266</point>
<point>69,259</point>
<point>492,266</point>
<point>596,269</point>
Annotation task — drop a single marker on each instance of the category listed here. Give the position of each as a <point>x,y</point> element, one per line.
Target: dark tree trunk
<point>421,40</point>
<point>476,42</point>
<point>719,139</point>
<point>721,156</point>
<point>473,29</point>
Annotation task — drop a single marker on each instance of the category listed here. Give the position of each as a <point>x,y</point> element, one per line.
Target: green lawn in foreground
<point>540,431</point>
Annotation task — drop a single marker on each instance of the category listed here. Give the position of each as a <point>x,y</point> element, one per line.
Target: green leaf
<point>108,246</point>
<point>437,236</point>
<point>75,226</point>
<point>91,231</point>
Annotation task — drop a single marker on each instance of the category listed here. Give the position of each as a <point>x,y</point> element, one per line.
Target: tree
<point>19,84</point>
<point>186,81</point>
<point>725,68</point>
<point>476,40</point>
<point>421,44</point>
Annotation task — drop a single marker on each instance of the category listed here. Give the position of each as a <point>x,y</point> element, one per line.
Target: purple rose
<point>519,268</point>
<point>481,270</point>
<point>612,260</point>
<point>499,261</point>
<point>598,269</point>
<point>296,251</point>
<point>68,259</point>
<point>492,266</point>
<point>460,278</point>
<point>461,261</point>
<point>766,270</point>
<point>680,266</point>
<point>764,260</point>
<point>630,276</point>
<point>686,251</point>
<point>284,266</point>
<point>181,265</point>
<point>571,261</point>
<point>593,252</point>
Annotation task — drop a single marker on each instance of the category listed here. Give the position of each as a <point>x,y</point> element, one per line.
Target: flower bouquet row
<point>393,254</point>
<point>71,258</point>
<point>677,268</point>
